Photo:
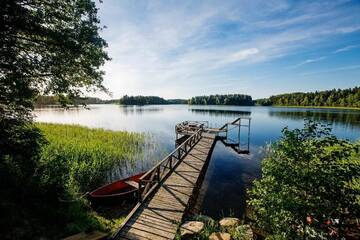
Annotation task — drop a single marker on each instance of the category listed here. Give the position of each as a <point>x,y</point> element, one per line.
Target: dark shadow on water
<point>229,175</point>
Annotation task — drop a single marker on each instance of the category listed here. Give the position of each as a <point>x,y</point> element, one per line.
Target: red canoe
<point>115,192</point>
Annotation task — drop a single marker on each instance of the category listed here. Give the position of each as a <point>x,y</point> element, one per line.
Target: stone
<point>244,232</point>
<point>229,222</point>
<point>191,228</point>
<point>220,236</point>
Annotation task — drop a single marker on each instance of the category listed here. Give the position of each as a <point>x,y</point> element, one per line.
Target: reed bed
<point>80,158</point>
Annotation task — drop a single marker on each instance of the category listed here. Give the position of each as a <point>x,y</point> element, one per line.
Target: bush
<point>310,185</point>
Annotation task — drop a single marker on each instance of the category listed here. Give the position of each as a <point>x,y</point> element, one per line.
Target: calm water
<point>229,174</point>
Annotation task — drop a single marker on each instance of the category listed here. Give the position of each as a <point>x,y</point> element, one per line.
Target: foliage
<point>177,101</point>
<point>230,99</point>
<point>79,159</point>
<point>146,100</point>
<point>331,98</point>
<point>310,185</point>
<point>51,47</point>
<point>141,100</point>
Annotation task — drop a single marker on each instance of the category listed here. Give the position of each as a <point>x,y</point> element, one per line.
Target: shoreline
<point>316,107</point>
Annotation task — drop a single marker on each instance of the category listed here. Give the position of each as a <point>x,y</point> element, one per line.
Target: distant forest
<point>146,100</point>
<point>229,99</point>
<point>58,100</point>
<point>332,98</point>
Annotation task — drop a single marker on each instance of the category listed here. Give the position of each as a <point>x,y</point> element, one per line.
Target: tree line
<point>64,100</point>
<point>331,98</point>
<point>146,100</point>
<point>228,99</point>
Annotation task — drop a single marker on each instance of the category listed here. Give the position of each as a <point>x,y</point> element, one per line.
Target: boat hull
<point>116,192</point>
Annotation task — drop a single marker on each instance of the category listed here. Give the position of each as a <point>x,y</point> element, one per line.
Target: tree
<point>310,185</point>
<point>46,47</point>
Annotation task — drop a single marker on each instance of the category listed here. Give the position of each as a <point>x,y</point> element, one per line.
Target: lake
<point>223,192</point>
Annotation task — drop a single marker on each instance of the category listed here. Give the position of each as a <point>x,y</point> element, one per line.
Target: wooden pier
<point>169,189</point>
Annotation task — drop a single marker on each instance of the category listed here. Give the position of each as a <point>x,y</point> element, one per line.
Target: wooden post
<point>170,163</point>
<point>139,191</point>
<point>158,174</point>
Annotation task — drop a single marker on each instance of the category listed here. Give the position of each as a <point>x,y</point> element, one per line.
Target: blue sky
<point>179,49</point>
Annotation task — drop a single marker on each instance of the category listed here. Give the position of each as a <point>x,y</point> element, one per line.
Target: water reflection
<point>220,112</point>
<point>347,119</point>
<point>139,109</point>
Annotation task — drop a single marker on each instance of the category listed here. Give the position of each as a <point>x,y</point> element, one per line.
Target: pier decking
<point>159,216</point>
<point>168,189</point>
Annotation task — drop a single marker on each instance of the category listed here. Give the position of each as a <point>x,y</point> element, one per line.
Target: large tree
<point>46,47</point>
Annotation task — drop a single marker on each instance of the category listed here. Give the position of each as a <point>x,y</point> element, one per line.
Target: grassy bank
<point>76,160</point>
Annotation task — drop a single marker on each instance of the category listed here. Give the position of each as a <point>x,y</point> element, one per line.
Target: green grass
<point>78,159</point>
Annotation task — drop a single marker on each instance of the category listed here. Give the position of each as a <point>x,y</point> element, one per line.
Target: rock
<point>191,228</point>
<point>244,232</point>
<point>229,222</point>
<point>220,236</point>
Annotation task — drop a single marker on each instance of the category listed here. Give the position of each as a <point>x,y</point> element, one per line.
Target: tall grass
<point>81,158</point>
<point>78,159</point>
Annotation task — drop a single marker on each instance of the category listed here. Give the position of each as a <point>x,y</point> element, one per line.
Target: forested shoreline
<point>147,100</point>
<point>228,99</point>
<point>343,98</point>
<point>331,98</point>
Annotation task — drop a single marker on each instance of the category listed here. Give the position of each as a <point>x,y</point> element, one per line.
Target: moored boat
<point>116,192</point>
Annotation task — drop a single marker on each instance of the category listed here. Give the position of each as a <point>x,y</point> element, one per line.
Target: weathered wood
<point>159,215</point>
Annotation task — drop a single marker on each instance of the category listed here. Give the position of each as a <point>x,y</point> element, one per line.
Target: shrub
<point>309,187</point>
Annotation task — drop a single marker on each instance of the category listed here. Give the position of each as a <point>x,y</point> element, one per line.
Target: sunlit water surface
<point>229,174</point>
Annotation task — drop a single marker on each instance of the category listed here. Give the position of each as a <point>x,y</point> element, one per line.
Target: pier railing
<point>150,180</point>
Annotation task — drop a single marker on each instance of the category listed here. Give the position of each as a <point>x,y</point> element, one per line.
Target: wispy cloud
<point>311,60</point>
<point>347,48</point>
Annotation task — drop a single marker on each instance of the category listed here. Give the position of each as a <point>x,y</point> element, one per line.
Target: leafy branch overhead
<point>50,47</point>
